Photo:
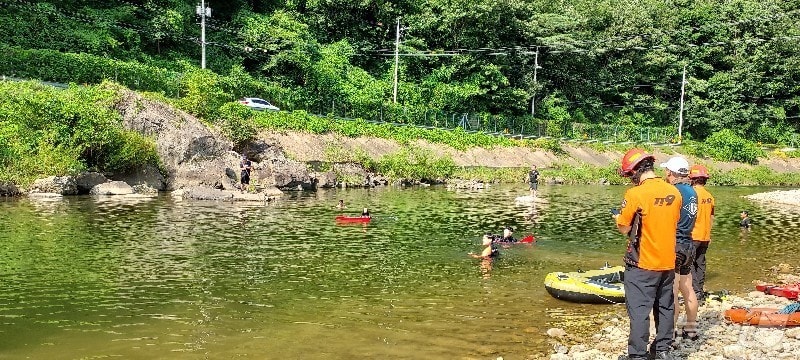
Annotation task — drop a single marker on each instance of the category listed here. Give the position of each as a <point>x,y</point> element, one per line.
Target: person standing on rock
<point>677,169</point>
<point>701,234</point>
<point>533,180</point>
<point>649,216</point>
<point>245,166</point>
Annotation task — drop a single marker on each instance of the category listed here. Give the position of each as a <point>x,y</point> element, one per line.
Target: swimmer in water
<point>489,251</point>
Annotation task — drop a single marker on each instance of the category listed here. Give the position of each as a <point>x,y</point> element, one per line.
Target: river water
<point>91,278</point>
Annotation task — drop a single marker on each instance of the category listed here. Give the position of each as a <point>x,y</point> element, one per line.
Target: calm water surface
<point>164,279</point>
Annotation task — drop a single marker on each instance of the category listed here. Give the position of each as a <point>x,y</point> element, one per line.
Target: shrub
<point>128,150</point>
<point>202,93</point>
<point>45,131</point>
<point>415,163</point>
<point>725,145</point>
<point>236,122</point>
<point>51,65</point>
<point>549,144</point>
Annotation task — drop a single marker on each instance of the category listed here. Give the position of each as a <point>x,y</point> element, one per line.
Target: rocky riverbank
<point>198,160</point>
<point>719,339</point>
<point>787,197</point>
<point>196,155</point>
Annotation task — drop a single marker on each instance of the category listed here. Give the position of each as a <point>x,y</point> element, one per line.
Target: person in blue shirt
<point>677,169</point>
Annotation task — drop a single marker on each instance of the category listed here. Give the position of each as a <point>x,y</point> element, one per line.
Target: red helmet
<point>698,172</point>
<point>632,158</point>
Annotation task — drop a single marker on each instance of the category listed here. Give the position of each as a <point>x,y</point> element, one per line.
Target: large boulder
<point>87,180</point>
<point>324,180</point>
<point>7,189</point>
<point>144,189</point>
<point>64,185</point>
<point>374,180</point>
<point>355,175</point>
<point>285,174</point>
<point>112,188</point>
<point>260,150</point>
<point>148,175</point>
<point>191,154</point>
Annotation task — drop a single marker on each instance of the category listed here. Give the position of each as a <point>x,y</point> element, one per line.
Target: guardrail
<point>50,83</point>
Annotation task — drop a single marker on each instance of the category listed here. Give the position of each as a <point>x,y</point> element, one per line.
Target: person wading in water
<point>533,180</point>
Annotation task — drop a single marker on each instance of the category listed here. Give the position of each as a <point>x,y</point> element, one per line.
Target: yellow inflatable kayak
<point>602,286</point>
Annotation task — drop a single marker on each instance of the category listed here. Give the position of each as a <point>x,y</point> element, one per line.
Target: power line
<point>504,51</point>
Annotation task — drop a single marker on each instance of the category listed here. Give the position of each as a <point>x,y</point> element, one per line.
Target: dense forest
<point>617,62</point>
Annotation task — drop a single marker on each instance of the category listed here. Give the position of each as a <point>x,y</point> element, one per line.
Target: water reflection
<point>83,277</point>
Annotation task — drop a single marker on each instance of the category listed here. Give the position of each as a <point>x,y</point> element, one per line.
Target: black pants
<point>647,290</point>
<point>699,268</point>
<point>684,258</point>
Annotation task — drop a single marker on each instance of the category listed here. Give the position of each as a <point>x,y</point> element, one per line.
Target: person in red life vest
<point>649,217</point>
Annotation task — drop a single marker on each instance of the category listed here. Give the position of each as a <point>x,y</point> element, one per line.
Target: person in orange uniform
<point>701,235</point>
<point>649,217</point>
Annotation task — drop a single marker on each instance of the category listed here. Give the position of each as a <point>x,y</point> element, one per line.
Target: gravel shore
<point>790,197</point>
<point>719,339</point>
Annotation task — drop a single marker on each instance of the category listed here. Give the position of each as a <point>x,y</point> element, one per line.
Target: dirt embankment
<point>308,147</point>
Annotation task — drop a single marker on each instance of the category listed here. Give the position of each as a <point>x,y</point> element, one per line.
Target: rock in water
<point>556,332</point>
<point>112,188</point>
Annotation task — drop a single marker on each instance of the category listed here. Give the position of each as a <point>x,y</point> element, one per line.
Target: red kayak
<point>353,219</point>
<point>526,240</point>
<point>788,291</point>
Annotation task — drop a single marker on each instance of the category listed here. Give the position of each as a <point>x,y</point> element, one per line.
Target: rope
<point>791,308</point>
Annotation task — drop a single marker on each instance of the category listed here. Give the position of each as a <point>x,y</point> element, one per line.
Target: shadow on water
<point>156,278</point>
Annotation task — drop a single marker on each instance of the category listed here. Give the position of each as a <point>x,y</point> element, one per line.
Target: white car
<point>258,104</point>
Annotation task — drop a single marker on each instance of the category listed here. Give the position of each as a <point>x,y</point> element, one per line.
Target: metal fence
<point>501,125</point>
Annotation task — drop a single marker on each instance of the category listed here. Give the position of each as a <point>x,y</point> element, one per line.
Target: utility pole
<point>203,12</point>
<point>396,60</point>
<point>680,116</point>
<point>535,67</point>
